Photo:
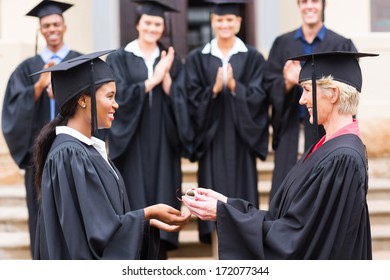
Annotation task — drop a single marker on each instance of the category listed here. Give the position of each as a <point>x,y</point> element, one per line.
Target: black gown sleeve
<point>179,128</point>
<point>250,104</point>
<point>130,97</point>
<point>18,113</point>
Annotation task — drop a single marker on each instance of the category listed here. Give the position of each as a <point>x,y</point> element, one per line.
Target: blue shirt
<point>47,55</point>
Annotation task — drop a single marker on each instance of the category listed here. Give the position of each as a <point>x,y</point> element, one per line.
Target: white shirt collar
<point>98,144</point>
<point>47,54</point>
<point>239,46</point>
<point>133,47</point>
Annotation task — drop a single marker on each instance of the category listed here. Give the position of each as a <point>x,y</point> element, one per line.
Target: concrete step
<point>381,255</point>
<point>380,238</point>
<point>13,219</point>
<point>379,212</point>
<point>378,189</point>
<point>14,246</point>
<point>11,175</point>
<point>190,247</point>
<point>12,195</point>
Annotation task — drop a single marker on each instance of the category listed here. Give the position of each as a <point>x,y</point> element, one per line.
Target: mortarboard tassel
<point>94,129</point>
<point>314,93</point>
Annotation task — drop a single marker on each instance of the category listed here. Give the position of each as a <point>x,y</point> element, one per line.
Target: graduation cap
<point>226,7</point>
<point>342,66</point>
<point>156,8</point>
<point>47,7</point>
<point>71,77</point>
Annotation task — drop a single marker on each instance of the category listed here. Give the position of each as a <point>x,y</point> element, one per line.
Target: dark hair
<point>138,18</point>
<point>45,139</point>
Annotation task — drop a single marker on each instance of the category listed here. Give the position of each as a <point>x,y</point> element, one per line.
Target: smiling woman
<point>228,107</point>
<point>152,130</point>
<point>84,210</point>
<point>320,210</point>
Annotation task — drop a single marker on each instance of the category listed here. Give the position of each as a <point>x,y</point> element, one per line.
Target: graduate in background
<point>28,102</point>
<point>290,121</point>
<point>84,210</point>
<point>228,109</point>
<point>320,210</point>
<point>152,130</point>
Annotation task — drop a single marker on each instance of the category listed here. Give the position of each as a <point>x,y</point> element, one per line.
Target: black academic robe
<point>22,120</point>
<point>285,106</point>
<point>319,212</point>
<point>149,135</point>
<point>231,130</point>
<point>84,212</point>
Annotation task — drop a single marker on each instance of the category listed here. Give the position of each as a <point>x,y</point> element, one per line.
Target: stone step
<point>381,255</point>
<point>12,195</point>
<point>379,212</point>
<point>14,246</point>
<point>9,172</point>
<point>13,219</point>
<point>380,235</point>
<point>378,188</point>
<point>190,247</point>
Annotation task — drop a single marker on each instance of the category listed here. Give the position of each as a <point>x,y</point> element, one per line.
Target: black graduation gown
<point>147,140</point>
<point>319,212</point>
<point>285,107</point>
<point>22,120</point>
<point>230,131</point>
<point>85,213</point>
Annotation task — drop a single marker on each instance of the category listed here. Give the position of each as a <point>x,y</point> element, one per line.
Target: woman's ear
<point>82,101</point>
<point>335,95</point>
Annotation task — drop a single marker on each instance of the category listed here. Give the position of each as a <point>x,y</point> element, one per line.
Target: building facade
<point>94,25</point>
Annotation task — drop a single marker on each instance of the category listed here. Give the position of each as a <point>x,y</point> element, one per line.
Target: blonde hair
<point>348,98</point>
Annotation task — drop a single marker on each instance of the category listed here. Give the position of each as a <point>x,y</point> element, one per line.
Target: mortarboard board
<point>225,7</point>
<point>154,8</point>
<point>342,66</point>
<point>73,76</point>
<point>47,7</point>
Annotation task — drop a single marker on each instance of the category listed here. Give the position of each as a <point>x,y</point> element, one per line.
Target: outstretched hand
<point>166,217</point>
